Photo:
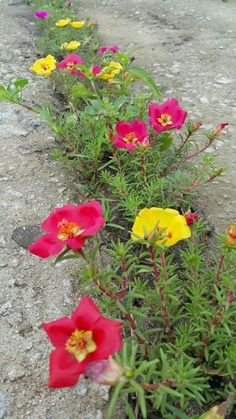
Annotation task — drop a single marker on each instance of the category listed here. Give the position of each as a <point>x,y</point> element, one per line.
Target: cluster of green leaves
<point>192,358</point>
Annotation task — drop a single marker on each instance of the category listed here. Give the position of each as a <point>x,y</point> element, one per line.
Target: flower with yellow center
<point>71,46</point>
<point>63,22</point>
<point>165,119</point>
<point>78,24</point>
<point>231,234</point>
<point>111,70</point>
<point>44,66</point>
<point>80,344</point>
<point>168,224</point>
<point>68,230</point>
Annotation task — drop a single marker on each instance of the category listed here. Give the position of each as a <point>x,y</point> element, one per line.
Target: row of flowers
<point>86,342</point>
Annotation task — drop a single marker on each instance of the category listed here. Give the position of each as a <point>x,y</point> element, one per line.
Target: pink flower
<point>191,217</point>
<point>68,226</point>
<point>41,14</point>
<point>96,69</point>
<point>131,135</point>
<point>83,338</point>
<point>165,116</point>
<point>70,62</point>
<point>112,48</point>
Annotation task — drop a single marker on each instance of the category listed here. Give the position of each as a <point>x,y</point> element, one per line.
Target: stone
<point>15,374</point>
<point>25,235</point>
<point>3,409</point>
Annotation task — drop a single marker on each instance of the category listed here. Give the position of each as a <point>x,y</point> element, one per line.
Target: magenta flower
<point>41,14</point>
<point>131,135</point>
<point>96,69</point>
<point>70,62</point>
<point>166,116</point>
<point>112,48</point>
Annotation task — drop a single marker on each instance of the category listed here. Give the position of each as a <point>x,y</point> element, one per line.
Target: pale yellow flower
<point>63,22</point>
<point>78,24</point>
<point>71,46</point>
<point>169,223</point>
<point>44,66</point>
<point>111,70</point>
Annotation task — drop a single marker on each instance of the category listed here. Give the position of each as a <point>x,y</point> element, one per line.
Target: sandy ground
<point>189,46</point>
<point>31,290</point>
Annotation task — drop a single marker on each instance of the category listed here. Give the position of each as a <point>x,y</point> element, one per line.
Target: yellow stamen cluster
<point>68,230</point>
<point>131,138</point>
<point>165,119</point>
<point>80,344</point>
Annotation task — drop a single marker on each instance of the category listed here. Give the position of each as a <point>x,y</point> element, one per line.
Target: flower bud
<point>231,234</point>
<point>196,125</point>
<point>191,217</point>
<point>218,129</point>
<point>107,371</point>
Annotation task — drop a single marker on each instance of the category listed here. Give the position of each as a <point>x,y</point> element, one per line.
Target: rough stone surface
<point>189,47</point>
<point>32,290</point>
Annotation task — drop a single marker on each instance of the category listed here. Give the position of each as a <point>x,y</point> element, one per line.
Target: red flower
<point>131,135</point>
<point>85,337</point>
<point>68,225</point>
<point>191,217</point>
<point>166,116</point>
<point>70,62</point>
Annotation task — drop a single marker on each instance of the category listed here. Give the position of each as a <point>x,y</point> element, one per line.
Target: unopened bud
<point>191,217</point>
<point>196,125</point>
<point>231,234</point>
<point>107,371</point>
<point>218,129</point>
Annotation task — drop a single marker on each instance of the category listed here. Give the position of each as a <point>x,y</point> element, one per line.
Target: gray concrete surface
<point>31,290</point>
<point>189,46</point>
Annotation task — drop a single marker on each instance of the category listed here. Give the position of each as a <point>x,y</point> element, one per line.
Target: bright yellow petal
<point>78,24</point>
<point>63,22</point>
<point>179,230</point>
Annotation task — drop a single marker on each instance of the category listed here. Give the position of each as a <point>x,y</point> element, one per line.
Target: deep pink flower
<point>83,338</point>
<point>165,116</point>
<point>96,69</point>
<point>131,135</point>
<point>112,48</point>
<point>70,62</point>
<point>68,226</point>
<point>191,217</point>
<point>41,14</point>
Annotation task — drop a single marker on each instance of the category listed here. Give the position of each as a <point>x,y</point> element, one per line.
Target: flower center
<point>70,65</point>
<point>68,230</point>
<point>131,138</point>
<point>165,119</point>
<point>44,67</point>
<point>80,344</point>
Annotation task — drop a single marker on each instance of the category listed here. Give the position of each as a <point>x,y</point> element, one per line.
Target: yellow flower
<point>44,66</point>
<point>70,46</point>
<point>63,22</point>
<point>111,70</point>
<point>153,220</point>
<point>78,24</point>
<point>231,234</point>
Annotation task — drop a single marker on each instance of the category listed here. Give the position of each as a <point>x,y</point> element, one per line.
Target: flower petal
<point>51,223</point>
<point>64,369</point>
<point>86,314</point>
<point>46,246</point>
<point>107,336</point>
<point>59,330</point>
